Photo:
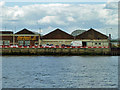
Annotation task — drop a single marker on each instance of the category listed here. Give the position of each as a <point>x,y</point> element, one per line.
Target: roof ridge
<point>24,30</point>
<point>58,34</point>
<point>93,33</point>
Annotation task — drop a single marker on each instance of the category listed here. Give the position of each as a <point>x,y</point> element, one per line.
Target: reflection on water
<point>60,72</point>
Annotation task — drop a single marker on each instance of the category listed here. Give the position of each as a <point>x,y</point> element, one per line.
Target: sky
<point>68,16</point>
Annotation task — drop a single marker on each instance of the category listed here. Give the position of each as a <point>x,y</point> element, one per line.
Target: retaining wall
<point>55,51</point>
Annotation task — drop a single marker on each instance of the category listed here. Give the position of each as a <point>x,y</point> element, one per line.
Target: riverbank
<point>55,51</point>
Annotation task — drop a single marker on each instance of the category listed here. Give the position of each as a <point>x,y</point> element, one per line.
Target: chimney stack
<point>109,37</point>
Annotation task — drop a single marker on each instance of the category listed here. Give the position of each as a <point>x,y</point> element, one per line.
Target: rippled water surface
<point>60,71</point>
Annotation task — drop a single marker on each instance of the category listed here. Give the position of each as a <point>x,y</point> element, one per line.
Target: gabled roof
<point>25,31</point>
<point>91,34</point>
<point>6,32</point>
<point>57,34</point>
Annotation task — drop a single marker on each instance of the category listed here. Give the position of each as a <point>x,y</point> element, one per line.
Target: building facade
<point>93,38</point>
<point>90,38</point>
<point>22,38</point>
<point>57,37</point>
<point>6,38</point>
<point>26,38</point>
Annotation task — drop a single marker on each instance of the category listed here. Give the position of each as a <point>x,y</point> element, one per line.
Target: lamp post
<point>109,38</point>
<point>14,36</point>
<point>40,31</point>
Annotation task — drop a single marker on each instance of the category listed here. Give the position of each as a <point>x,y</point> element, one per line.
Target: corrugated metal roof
<point>25,31</point>
<point>6,32</point>
<point>57,34</point>
<point>91,34</point>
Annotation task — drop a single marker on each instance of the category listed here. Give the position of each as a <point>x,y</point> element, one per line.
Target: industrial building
<point>93,38</point>
<point>57,37</point>
<point>22,38</point>
<point>25,37</point>
<point>6,37</point>
<point>88,38</point>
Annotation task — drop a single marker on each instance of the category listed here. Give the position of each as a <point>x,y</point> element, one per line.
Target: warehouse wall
<point>56,42</point>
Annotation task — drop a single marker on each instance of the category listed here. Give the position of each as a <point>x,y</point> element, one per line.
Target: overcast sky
<point>68,16</point>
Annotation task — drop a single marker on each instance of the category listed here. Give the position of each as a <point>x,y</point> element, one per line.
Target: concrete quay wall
<point>55,51</point>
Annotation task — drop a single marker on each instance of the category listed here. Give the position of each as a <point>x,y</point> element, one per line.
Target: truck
<point>76,43</point>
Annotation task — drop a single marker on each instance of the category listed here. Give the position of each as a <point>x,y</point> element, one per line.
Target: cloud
<point>111,5</point>
<point>113,0</point>
<point>51,19</point>
<point>71,19</point>
<point>2,3</point>
<point>65,16</point>
<point>47,19</point>
<point>109,14</point>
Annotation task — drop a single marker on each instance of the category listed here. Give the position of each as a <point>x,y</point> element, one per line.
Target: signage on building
<point>26,38</point>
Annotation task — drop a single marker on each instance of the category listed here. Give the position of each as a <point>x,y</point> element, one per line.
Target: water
<point>60,72</point>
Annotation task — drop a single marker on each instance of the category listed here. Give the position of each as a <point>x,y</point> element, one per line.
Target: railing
<point>115,51</point>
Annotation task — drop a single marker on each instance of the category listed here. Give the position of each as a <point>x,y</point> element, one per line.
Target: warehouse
<point>57,37</point>
<point>93,38</point>
<point>6,38</point>
<point>26,38</point>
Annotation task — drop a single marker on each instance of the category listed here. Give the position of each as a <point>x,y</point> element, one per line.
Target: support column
<point>13,39</point>
<point>39,40</point>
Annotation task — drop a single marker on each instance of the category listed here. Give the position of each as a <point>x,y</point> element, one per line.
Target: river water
<point>59,71</point>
